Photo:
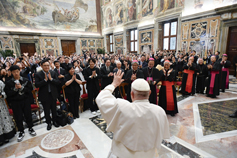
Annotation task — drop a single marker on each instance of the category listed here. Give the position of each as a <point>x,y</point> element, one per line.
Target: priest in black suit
<point>92,75</point>
<point>167,95</point>
<point>47,82</point>
<point>202,73</point>
<point>106,74</point>
<point>224,72</point>
<point>60,72</point>
<point>132,75</point>
<point>189,77</point>
<point>213,78</point>
<point>152,76</point>
<point>66,64</point>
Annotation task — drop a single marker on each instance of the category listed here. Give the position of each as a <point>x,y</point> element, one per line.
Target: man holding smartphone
<point>18,90</point>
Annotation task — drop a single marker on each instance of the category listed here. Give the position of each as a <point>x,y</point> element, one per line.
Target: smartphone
<point>21,59</point>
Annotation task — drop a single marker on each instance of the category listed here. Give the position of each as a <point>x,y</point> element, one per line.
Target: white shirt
<point>138,127</point>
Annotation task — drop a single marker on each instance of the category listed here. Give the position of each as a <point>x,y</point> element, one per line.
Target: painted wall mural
<point>196,6</point>
<point>119,17</point>
<point>131,10</point>
<point>166,4</point>
<point>109,18</point>
<point>203,35</point>
<point>73,15</point>
<point>147,7</point>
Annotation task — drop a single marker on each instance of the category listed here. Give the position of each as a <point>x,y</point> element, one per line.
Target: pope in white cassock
<point>138,127</point>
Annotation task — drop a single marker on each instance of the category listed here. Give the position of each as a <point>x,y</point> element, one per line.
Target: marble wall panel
<point>6,43</point>
<point>49,45</point>
<point>203,35</point>
<point>146,40</point>
<point>90,44</point>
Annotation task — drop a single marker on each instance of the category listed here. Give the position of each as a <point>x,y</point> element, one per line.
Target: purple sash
<point>213,76</point>
<point>227,77</point>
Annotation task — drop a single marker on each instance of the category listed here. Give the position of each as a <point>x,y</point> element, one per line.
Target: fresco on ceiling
<point>131,10</point>
<point>119,17</point>
<point>73,15</point>
<point>147,7</point>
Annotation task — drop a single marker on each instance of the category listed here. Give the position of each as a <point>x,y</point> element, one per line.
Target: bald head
<point>118,64</point>
<point>213,58</point>
<point>200,61</point>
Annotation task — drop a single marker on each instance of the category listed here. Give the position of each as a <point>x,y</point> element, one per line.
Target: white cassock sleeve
<point>107,105</point>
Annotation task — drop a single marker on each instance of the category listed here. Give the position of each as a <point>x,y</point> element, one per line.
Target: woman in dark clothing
<point>92,75</point>
<point>72,90</point>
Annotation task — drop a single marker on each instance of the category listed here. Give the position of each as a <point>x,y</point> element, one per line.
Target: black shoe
<point>32,132</point>
<point>74,117</point>
<point>172,114</point>
<point>6,141</point>
<point>77,116</point>
<point>233,115</point>
<point>55,124</point>
<point>20,136</point>
<point>49,126</point>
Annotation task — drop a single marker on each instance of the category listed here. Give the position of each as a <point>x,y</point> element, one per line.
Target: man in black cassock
<point>189,77</point>
<point>167,95</point>
<point>202,73</point>
<point>213,78</point>
<point>152,76</point>
<point>235,64</point>
<point>92,75</point>
<point>224,72</point>
<point>106,74</point>
<point>132,75</point>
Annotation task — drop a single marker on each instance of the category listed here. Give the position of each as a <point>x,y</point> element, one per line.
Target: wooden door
<point>232,46</point>
<point>28,48</point>
<point>68,47</point>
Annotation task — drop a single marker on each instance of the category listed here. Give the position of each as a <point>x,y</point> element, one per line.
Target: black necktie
<point>49,89</point>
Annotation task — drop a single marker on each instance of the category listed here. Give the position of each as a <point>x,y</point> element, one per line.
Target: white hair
<point>118,62</point>
<point>140,94</point>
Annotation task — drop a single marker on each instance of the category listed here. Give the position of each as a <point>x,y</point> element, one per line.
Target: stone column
<point>179,43</point>
<point>124,41</point>
<point>156,35</point>
<point>59,46</point>
<point>78,48</point>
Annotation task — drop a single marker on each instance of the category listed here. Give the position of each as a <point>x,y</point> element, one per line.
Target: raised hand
<point>118,78</point>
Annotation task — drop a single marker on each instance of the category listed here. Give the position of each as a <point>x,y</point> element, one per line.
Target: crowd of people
<point>162,70</point>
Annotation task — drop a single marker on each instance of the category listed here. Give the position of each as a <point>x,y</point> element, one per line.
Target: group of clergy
<point>214,76</point>
<point>167,97</point>
<point>197,78</point>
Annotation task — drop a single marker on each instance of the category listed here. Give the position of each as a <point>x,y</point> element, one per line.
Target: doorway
<point>28,48</point>
<point>232,46</point>
<point>68,47</point>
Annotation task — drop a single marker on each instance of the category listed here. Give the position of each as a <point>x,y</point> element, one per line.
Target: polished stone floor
<point>202,128</point>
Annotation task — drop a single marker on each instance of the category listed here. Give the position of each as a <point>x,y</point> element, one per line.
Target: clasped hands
<point>93,74</point>
<point>75,78</point>
<point>110,74</point>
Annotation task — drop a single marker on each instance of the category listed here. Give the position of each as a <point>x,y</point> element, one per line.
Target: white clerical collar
<point>143,100</point>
